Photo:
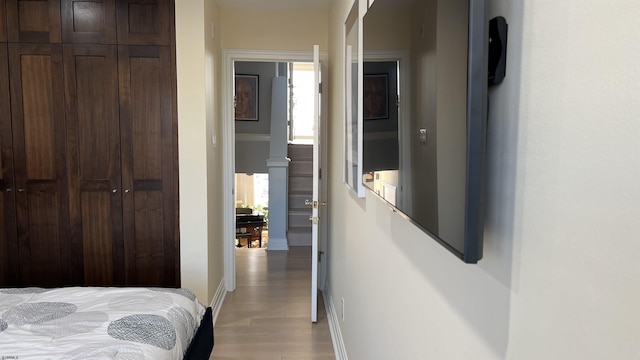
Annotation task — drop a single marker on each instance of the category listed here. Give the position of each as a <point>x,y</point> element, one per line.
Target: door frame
<point>229,57</point>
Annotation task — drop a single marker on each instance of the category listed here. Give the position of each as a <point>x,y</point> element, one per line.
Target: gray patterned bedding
<point>97,323</point>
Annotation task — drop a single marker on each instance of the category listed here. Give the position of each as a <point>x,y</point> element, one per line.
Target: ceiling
<point>317,5</point>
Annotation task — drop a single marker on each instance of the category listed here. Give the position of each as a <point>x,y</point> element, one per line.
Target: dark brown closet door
<point>89,22</point>
<point>3,22</point>
<point>33,21</point>
<point>148,147</point>
<point>37,113</point>
<point>8,237</point>
<point>145,22</point>
<point>93,142</point>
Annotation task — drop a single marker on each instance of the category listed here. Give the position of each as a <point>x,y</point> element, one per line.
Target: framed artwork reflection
<point>246,99</point>
<point>375,96</point>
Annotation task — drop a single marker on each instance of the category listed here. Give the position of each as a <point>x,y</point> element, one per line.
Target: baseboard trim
<point>218,299</point>
<point>334,325</point>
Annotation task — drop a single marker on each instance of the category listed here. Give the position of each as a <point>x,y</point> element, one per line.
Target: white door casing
<point>228,148</point>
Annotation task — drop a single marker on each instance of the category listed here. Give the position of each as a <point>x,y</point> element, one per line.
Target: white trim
<point>334,326</point>
<point>229,169</point>
<point>229,56</point>
<point>253,137</point>
<point>271,55</point>
<point>360,8</point>
<point>218,299</point>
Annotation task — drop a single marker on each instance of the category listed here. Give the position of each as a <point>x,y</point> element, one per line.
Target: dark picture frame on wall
<point>246,97</point>
<point>375,96</point>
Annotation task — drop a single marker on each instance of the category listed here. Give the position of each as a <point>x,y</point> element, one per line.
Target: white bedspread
<point>97,323</point>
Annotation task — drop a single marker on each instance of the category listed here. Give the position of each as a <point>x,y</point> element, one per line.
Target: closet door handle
<point>8,190</point>
<point>114,191</point>
<point>20,190</point>
<point>126,191</point>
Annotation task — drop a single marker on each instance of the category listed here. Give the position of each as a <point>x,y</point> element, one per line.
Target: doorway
<point>230,57</point>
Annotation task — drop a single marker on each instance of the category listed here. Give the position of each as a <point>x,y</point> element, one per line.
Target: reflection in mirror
<point>415,93</point>
<point>352,145</point>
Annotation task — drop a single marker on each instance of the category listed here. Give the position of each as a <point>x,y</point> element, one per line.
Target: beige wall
<point>215,177</point>
<point>273,30</point>
<point>198,58</point>
<point>559,279</point>
<point>575,285</point>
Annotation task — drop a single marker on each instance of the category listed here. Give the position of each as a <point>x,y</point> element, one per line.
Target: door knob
<point>114,191</point>
<point>20,190</point>
<point>126,191</point>
<point>8,190</point>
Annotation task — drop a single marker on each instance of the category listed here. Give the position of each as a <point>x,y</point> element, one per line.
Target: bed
<point>103,323</point>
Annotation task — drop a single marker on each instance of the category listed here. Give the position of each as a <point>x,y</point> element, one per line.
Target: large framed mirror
<point>353,110</point>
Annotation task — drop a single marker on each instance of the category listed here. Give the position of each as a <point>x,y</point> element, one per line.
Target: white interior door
<point>316,202</point>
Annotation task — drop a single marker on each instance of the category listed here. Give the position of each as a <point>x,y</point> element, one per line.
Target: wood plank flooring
<point>268,317</point>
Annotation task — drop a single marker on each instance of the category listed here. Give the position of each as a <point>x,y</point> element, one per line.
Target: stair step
<point>296,201</point>
<point>296,238</point>
<point>301,212</point>
<point>300,189</point>
<point>301,168</point>
<point>299,220</point>
<point>300,152</point>
<point>298,184</point>
<point>299,229</point>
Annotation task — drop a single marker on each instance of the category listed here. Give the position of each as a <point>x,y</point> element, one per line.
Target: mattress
<point>97,323</point>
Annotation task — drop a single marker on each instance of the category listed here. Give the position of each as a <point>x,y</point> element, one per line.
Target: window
<point>301,103</point>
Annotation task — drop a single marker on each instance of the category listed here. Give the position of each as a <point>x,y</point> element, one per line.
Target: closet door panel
<point>8,226</point>
<point>148,148</point>
<point>89,22</point>
<point>145,22</point>
<point>93,142</point>
<point>44,251</point>
<point>3,22</point>
<point>33,21</point>
<point>38,129</point>
<point>101,246</point>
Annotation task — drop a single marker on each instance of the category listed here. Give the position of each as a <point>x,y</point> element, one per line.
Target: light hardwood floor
<point>268,317</point>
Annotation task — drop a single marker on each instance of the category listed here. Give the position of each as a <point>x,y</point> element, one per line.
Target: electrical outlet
<point>342,312</point>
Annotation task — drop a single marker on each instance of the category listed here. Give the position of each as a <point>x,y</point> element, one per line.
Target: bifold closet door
<point>148,148</point>
<point>3,22</point>
<point>88,22</point>
<point>145,22</point>
<point>93,143</point>
<point>33,21</point>
<point>8,236</point>
<point>38,128</point>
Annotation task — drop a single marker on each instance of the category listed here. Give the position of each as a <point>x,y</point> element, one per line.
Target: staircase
<point>300,189</point>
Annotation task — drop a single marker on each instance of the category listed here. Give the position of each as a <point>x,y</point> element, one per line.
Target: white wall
<point>559,278</point>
